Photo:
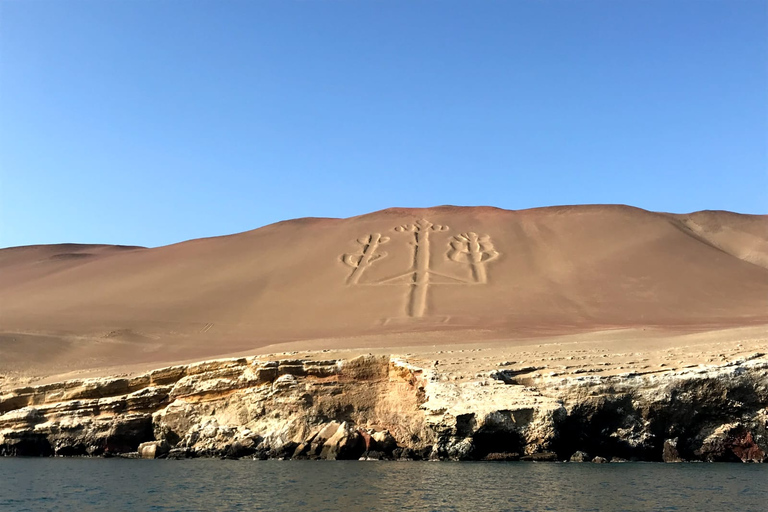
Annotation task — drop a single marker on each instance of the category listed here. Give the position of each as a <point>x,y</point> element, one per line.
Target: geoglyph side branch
<point>474,250</point>
<point>361,260</point>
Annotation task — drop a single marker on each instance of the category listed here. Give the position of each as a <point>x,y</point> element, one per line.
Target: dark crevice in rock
<point>490,444</point>
<point>591,425</point>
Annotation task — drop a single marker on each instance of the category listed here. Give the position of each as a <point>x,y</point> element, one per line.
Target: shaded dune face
<point>385,278</point>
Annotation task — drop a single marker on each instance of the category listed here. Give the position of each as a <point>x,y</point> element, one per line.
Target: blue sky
<point>154,121</point>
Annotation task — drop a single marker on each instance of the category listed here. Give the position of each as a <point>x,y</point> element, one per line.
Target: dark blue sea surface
<point>55,484</point>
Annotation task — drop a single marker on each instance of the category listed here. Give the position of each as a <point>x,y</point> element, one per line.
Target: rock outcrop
<point>379,407</point>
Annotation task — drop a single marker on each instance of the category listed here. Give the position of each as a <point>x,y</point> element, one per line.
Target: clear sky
<point>154,121</point>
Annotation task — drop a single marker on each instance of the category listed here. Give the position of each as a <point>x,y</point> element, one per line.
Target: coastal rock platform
<point>401,407</point>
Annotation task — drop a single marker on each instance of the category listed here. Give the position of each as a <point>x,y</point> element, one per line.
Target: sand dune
<point>398,277</point>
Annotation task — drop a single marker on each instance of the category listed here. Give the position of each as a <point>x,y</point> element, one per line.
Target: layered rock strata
<point>379,407</point>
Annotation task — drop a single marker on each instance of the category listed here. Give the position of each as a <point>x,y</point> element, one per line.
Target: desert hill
<point>397,277</point>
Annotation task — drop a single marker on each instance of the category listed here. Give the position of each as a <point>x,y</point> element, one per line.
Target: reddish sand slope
<point>393,277</point>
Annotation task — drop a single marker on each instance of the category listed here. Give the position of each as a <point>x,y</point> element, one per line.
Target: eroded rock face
<point>580,456</point>
<point>153,449</point>
<point>376,407</point>
<point>670,453</point>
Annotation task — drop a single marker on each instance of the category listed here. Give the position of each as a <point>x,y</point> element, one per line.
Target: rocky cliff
<point>389,407</point>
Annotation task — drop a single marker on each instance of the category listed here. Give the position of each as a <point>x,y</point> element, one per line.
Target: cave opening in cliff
<point>496,444</point>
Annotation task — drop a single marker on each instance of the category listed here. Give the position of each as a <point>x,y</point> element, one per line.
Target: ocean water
<point>56,484</point>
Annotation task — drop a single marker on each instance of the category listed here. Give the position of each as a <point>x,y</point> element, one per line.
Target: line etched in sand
<point>362,260</point>
<point>468,248</point>
<point>475,250</point>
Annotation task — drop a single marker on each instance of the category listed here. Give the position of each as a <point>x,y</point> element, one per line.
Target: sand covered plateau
<point>448,332</point>
<point>394,278</point>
